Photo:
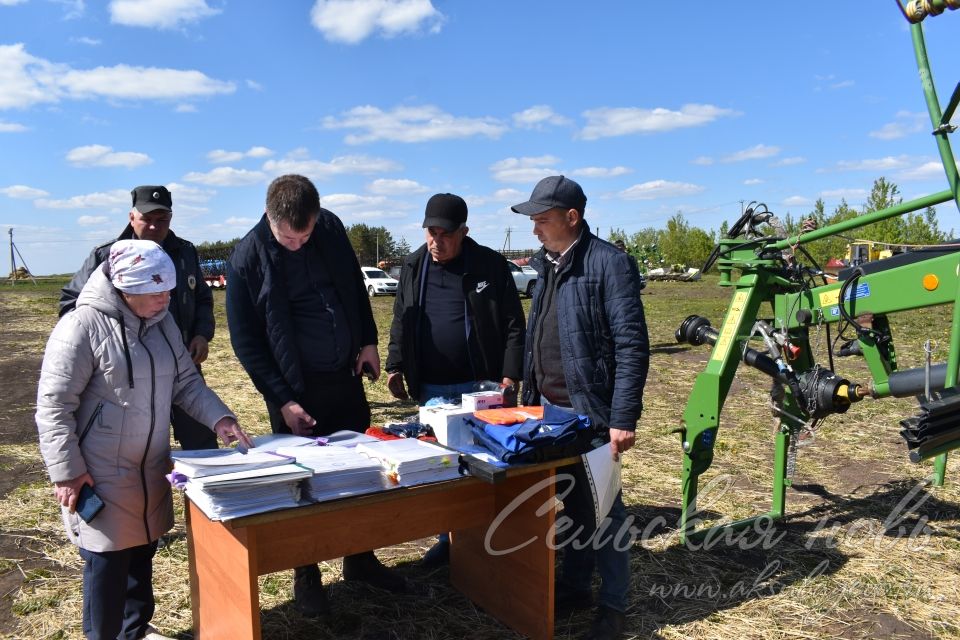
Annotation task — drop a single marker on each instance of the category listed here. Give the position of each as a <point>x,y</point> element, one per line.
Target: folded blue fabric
<point>559,433</point>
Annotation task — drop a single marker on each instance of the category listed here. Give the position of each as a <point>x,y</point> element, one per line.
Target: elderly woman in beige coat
<point>112,369</point>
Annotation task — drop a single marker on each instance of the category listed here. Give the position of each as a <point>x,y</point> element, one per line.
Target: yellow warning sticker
<point>728,333</point>
<point>830,298</point>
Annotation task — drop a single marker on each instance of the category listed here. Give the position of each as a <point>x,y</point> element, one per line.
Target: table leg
<point>507,567</point>
<point>223,579</point>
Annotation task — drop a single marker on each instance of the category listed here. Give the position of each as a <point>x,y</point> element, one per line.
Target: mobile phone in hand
<point>89,503</point>
<point>367,370</point>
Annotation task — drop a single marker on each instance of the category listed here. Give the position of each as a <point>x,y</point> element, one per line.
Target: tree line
<point>680,244</point>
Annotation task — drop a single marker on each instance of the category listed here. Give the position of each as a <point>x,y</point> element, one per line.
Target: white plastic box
<point>448,424</point>
<point>482,400</point>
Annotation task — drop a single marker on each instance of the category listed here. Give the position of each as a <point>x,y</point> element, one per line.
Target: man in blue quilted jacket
<point>586,350</point>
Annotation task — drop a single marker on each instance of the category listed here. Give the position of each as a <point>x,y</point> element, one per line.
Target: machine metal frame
<point>763,269</point>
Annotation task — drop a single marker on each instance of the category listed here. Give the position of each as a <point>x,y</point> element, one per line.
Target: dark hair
<point>292,199</point>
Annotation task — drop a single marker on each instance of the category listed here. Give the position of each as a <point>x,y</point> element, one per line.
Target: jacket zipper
<point>146,449</point>
<point>94,416</point>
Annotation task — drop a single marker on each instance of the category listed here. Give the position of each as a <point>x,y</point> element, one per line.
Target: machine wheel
<point>371,292</point>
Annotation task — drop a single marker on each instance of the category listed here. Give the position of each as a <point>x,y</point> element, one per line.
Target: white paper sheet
<point>603,473</point>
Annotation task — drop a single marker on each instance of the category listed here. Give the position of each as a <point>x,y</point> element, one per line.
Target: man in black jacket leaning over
<point>191,302</point>
<point>587,350</point>
<point>457,318</point>
<point>301,325</point>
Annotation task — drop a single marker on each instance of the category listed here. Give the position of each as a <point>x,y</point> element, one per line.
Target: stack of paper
<point>208,462</point>
<point>338,471</point>
<point>241,493</point>
<point>343,438</point>
<point>409,462</point>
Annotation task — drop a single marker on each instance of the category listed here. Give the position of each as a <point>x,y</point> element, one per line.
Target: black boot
<point>607,625</point>
<point>366,568</point>
<point>439,554</point>
<point>566,599</point>
<point>309,596</point>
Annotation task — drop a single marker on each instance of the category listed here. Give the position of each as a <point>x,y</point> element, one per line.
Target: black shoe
<point>566,599</point>
<point>365,567</point>
<point>607,625</point>
<point>309,596</point>
<point>437,555</point>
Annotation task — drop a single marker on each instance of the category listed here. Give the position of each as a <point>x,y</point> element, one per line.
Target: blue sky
<point>654,108</point>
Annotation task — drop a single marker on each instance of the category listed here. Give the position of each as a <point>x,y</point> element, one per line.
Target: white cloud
<point>831,82</point>
<point>115,199</point>
<point>240,221</point>
<point>299,162</point>
<point>753,153</point>
<point>10,3</point>
<point>28,80</point>
<point>845,194</point>
<point>226,177</point>
<point>600,172</point>
<point>92,221</point>
<point>159,14</point>
<point>136,83</point>
<point>752,181</point>
<point>411,124</point>
<point>72,9</point>
<point>796,201</point>
<point>926,171</point>
<point>98,155</point>
<point>509,195</point>
<point>888,163</point>
<point>352,21</point>
<point>185,107</point>
<point>537,116</point>
<point>253,84</point>
<point>259,152</point>
<point>185,194</point>
<point>786,162</point>
<point>399,187</point>
<point>351,205</point>
<point>220,155</point>
<point>23,192</point>
<point>11,127</point>
<point>905,124</point>
<point>524,170</point>
<point>90,42</point>
<point>608,122</point>
<point>659,189</point>
<point>704,161</point>
<point>351,200</point>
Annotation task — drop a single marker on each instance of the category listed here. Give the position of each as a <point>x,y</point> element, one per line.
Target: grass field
<point>869,549</point>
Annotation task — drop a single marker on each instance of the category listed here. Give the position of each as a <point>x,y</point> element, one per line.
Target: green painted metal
<point>760,278</point>
<point>941,130</point>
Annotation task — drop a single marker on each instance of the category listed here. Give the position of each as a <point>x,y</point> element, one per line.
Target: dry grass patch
<point>867,550</point>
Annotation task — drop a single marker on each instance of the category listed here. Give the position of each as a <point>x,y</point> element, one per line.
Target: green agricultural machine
<point>766,272</point>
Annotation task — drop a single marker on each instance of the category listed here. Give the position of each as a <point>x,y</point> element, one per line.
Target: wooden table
<point>514,586</point>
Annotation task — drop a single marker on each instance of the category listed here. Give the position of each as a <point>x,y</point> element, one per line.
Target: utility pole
<point>377,263</point>
<point>13,261</point>
<point>506,241</point>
